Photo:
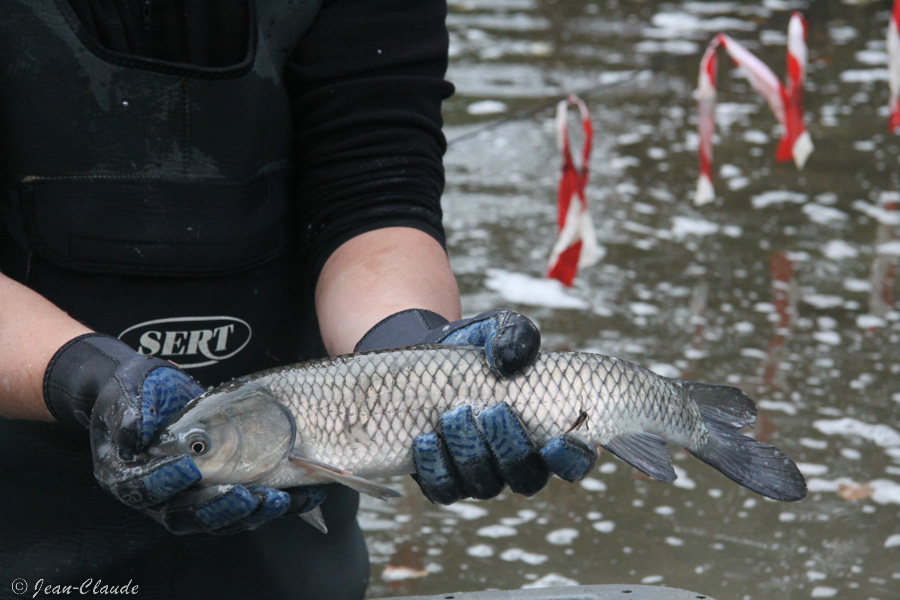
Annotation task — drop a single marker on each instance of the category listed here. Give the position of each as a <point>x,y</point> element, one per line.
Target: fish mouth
<point>165,443</point>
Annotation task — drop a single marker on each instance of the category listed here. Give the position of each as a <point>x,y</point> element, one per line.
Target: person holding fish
<point>193,192</point>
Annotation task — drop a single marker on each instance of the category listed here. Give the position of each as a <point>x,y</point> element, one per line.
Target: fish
<point>352,419</point>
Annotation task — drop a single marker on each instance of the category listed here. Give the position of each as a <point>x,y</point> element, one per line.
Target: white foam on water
<point>392,573</point>
<point>879,433</point>
<point>682,480</point>
<point>884,491</point>
<point>812,470</point>
<point>776,405</point>
<point>892,541</point>
<point>643,309</point>
<point>787,517</point>
<point>705,7</point>
<point>683,227</point>
<point>755,136</point>
<point>486,107</point>
<point>369,522</point>
<point>562,537</point>
<point>551,580</point>
<point>824,215</point>
<point>523,517</point>
<point>480,551</point>
<point>871,57</point>
<point>857,285</point>
<point>497,531</point>
<point>885,217</point>
<point>891,248</point>
<point>677,47</point>
<point>604,526</point>
<point>870,321</point>
<point>519,288</point>
<point>813,443</point>
<point>823,591</point>
<point>864,75</point>
<point>729,113</point>
<point>851,453</point>
<point>517,554</point>
<point>665,369</point>
<point>592,484</point>
<point>680,24</point>
<point>841,34</point>
<point>832,338</point>
<point>777,197</point>
<point>823,301</point>
<point>466,511</point>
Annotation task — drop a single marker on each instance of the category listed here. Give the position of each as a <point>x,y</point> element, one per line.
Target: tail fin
<point>757,466</point>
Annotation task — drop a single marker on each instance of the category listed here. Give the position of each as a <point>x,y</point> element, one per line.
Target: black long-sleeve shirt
<point>366,84</point>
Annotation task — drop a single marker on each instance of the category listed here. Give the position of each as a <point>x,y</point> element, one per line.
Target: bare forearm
<point>377,274</point>
<point>32,329</point>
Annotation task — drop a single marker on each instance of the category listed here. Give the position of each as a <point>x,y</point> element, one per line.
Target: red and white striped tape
<point>893,48</point>
<point>785,101</point>
<point>576,244</point>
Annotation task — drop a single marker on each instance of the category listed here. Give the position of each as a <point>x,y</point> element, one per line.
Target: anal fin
<point>645,452</point>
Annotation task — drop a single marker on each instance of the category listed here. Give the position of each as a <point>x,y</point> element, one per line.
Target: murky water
<point>784,286</point>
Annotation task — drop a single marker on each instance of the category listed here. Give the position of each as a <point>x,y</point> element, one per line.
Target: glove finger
<point>216,509</point>
<point>569,457</point>
<point>469,453</point>
<point>433,472</point>
<point>272,503</point>
<point>518,461</point>
<point>232,505</point>
<point>165,392</point>
<point>305,498</point>
<point>510,340</point>
<point>144,484</point>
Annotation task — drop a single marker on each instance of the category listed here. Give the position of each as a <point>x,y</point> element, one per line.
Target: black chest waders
<point>153,202</point>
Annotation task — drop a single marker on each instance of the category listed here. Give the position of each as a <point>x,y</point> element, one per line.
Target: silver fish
<point>352,418</point>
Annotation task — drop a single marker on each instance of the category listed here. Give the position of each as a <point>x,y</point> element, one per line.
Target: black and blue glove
<point>477,455</point>
<point>123,397</point>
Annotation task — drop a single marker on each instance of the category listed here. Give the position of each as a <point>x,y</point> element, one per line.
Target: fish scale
<point>362,412</point>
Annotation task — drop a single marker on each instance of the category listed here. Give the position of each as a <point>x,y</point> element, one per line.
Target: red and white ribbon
<point>576,244</point>
<point>893,49</point>
<point>785,101</point>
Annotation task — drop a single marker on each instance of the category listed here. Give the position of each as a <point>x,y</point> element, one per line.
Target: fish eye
<point>198,444</point>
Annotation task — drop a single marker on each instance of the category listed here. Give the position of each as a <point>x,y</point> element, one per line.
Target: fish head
<point>236,435</point>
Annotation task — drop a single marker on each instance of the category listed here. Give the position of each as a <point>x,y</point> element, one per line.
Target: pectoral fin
<point>324,472</point>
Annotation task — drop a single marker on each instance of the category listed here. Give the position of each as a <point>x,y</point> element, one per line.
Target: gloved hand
<point>123,397</point>
<point>475,456</point>
<point>510,340</point>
